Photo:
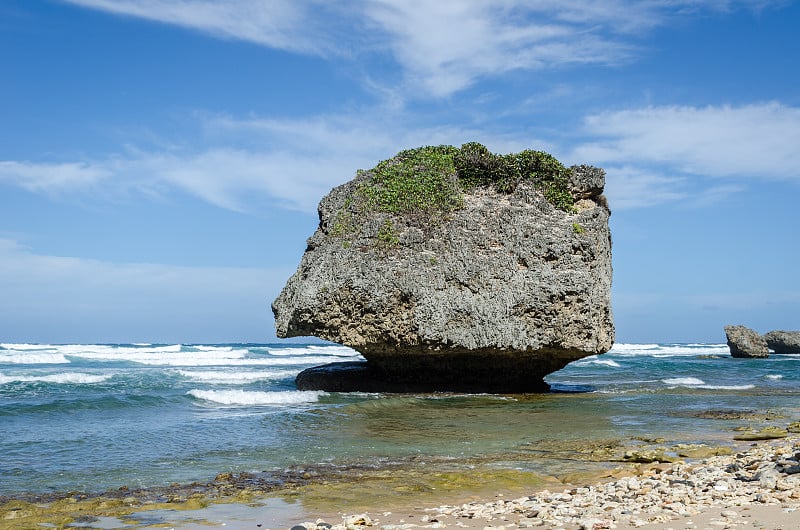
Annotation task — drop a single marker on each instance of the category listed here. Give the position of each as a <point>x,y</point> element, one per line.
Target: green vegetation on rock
<point>434,178</point>
<point>420,179</point>
<point>387,235</point>
<point>766,433</point>
<point>425,184</point>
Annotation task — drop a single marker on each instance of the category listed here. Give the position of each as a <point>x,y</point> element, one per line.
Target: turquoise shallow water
<point>97,417</point>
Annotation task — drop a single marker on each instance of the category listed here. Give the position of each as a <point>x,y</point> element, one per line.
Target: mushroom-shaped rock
<point>456,269</point>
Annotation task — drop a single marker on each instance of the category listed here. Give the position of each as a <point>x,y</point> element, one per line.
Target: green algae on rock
<point>766,433</point>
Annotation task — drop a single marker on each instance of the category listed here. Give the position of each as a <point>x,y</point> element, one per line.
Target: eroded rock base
<point>366,377</point>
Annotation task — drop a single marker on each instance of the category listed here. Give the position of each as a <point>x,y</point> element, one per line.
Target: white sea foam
<point>31,357</point>
<point>669,350</point>
<point>233,378</point>
<point>607,362</point>
<point>243,397</point>
<point>66,379</point>
<point>726,387</point>
<point>774,376</point>
<point>189,361</point>
<point>172,355</point>
<point>175,355</point>
<point>596,360</point>
<point>113,352</point>
<point>28,346</point>
<point>333,351</point>
<point>684,381</point>
<point>622,347</point>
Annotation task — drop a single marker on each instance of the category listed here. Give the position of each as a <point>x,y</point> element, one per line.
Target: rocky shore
<point>757,487</point>
<point>747,343</point>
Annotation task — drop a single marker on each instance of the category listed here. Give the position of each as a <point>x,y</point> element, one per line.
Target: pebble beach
<point>757,487</point>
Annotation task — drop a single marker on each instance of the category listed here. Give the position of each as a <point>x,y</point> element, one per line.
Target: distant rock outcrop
<point>783,341</point>
<point>456,269</point>
<point>744,342</point>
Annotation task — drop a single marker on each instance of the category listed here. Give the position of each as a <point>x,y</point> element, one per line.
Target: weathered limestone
<point>783,341</point>
<point>490,296</point>
<point>745,343</point>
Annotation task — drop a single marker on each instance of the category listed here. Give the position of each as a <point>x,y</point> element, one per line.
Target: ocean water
<point>98,417</point>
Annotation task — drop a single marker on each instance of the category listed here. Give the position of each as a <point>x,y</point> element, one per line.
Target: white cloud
<point>442,46</point>
<point>652,156</point>
<point>445,46</point>
<point>295,164</point>
<point>240,180</point>
<point>630,187</point>
<point>758,140</point>
<point>46,177</point>
<point>671,153</point>
<point>50,298</point>
<point>296,26</point>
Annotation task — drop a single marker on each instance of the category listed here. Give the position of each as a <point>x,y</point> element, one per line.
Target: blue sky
<point>161,160</point>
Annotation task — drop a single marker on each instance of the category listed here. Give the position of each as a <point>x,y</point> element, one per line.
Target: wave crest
<point>251,398</point>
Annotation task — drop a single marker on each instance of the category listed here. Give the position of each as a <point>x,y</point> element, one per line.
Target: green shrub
<point>433,178</point>
<point>387,235</point>
<point>476,165</point>
<point>416,179</point>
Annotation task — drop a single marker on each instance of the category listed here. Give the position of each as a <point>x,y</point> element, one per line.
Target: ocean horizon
<point>102,417</point>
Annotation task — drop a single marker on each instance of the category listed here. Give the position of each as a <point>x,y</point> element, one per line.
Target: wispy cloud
<point>297,26</point>
<point>655,155</point>
<point>630,187</point>
<point>445,46</point>
<point>287,163</point>
<point>442,47</point>
<point>758,140</point>
<point>47,177</point>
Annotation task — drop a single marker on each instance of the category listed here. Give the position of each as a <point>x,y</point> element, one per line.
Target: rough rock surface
<point>744,342</point>
<point>490,297</point>
<point>783,341</point>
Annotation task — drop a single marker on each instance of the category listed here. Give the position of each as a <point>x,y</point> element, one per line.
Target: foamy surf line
<point>232,378</point>
<point>15,357</point>
<point>683,381</point>
<point>694,382</point>
<point>66,379</point>
<point>253,398</point>
<point>668,350</point>
<point>333,351</point>
<point>595,360</point>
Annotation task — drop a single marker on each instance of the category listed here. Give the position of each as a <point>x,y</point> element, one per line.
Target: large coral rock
<point>490,296</point>
<point>783,341</point>
<point>744,342</point>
